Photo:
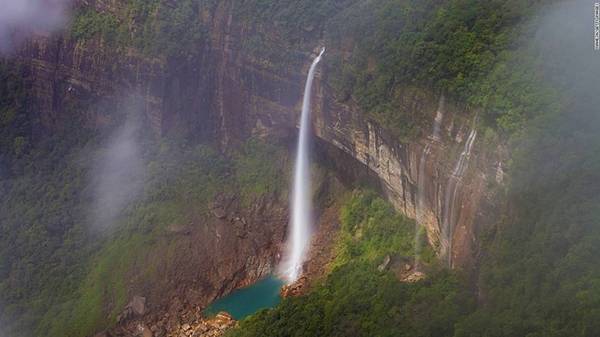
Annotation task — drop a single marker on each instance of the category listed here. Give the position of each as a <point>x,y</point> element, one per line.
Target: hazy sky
<point>21,18</point>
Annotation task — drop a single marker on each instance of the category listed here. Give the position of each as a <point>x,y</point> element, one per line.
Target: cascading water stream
<point>421,195</point>
<point>449,216</point>
<point>301,207</point>
<point>420,204</point>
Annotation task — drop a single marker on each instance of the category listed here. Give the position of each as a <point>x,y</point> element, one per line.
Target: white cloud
<point>21,18</point>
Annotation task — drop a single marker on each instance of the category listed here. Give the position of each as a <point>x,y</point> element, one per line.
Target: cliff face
<point>426,179</point>
<point>438,179</point>
<point>226,95</point>
<point>232,247</point>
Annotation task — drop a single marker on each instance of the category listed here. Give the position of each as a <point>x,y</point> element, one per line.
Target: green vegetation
<point>258,169</point>
<point>358,300</point>
<point>88,23</point>
<point>15,123</point>
<point>153,28</point>
<point>472,50</point>
<point>383,54</point>
<point>283,31</point>
<point>540,276</point>
<point>59,276</point>
<point>475,51</point>
<point>539,273</point>
<point>372,229</point>
<point>179,187</point>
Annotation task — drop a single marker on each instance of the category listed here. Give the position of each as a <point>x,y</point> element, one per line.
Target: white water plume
<point>420,203</point>
<point>449,215</point>
<point>301,207</point>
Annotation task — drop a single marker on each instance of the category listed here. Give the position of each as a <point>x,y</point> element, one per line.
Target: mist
<point>19,19</point>
<point>564,41</point>
<point>118,175</point>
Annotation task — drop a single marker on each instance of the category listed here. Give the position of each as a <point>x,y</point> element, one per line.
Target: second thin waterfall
<point>454,182</point>
<point>301,208</point>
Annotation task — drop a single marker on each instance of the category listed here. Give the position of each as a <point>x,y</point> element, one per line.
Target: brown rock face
<point>418,177</point>
<point>220,253</point>
<point>205,262</point>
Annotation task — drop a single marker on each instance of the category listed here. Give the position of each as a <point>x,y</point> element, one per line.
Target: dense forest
<point>522,64</point>
<point>538,276</point>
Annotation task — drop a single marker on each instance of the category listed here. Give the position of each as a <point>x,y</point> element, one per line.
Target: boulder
<point>145,331</point>
<point>179,229</point>
<point>138,305</point>
<point>135,308</point>
<point>385,264</point>
<point>102,334</point>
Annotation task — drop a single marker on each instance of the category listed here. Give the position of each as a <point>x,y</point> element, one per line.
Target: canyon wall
<point>226,95</point>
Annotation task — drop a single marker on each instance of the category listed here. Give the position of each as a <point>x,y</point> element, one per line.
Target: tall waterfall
<point>421,195</point>
<point>301,207</point>
<point>449,215</point>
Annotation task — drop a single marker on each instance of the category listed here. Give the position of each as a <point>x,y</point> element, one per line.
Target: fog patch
<point>564,42</point>
<point>19,19</point>
<point>118,174</point>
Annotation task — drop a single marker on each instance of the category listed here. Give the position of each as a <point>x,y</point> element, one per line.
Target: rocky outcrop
<point>295,289</point>
<point>186,322</point>
<point>135,308</point>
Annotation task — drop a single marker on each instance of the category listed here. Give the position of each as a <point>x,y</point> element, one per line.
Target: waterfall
<point>421,195</point>
<point>420,203</point>
<point>301,207</point>
<point>449,214</point>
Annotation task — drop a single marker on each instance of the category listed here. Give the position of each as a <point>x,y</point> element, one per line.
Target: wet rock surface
<point>295,289</point>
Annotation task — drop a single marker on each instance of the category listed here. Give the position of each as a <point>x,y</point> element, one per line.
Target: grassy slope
<point>358,300</point>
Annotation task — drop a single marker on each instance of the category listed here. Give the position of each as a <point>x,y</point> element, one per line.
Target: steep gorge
<point>425,101</point>
<point>226,95</point>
